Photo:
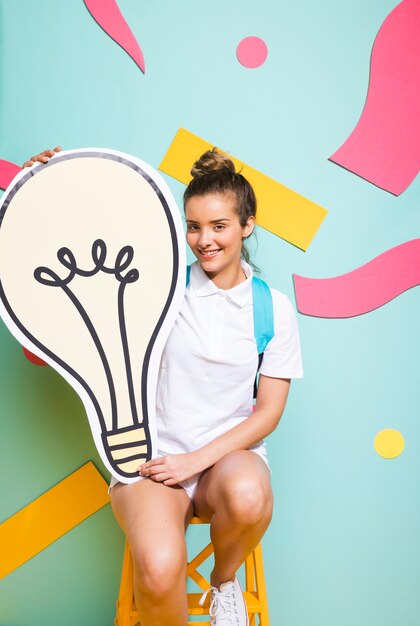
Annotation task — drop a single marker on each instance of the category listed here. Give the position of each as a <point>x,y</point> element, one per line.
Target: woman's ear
<point>249,227</point>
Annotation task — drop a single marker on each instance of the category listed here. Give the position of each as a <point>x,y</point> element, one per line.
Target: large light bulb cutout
<point>92,277</point>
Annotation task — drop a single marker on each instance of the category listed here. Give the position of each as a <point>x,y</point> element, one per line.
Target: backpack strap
<point>263,313</point>
<point>262,301</point>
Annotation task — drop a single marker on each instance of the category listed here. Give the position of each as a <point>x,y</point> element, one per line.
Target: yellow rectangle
<point>50,516</point>
<point>279,209</point>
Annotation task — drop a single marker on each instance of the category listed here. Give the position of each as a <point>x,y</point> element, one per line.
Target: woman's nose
<point>205,238</point>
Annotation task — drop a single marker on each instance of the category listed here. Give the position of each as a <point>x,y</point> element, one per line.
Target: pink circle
<point>251,52</point>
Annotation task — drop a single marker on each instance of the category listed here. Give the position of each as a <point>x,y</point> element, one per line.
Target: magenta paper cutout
<point>110,18</point>
<point>365,288</point>
<point>8,171</point>
<point>251,52</point>
<point>384,147</point>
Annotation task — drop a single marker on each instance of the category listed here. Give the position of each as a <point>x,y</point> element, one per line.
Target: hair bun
<point>211,161</point>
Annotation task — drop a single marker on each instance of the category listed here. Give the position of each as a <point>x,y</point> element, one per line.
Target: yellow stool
<point>255,592</point>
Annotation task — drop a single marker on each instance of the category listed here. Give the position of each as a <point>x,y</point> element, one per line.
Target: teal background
<point>344,547</point>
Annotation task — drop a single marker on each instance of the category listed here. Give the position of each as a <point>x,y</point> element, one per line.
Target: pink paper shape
<point>251,52</point>
<point>365,288</point>
<point>8,171</point>
<point>110,18</point>
<point>33,358</point>
<point>384,147</point>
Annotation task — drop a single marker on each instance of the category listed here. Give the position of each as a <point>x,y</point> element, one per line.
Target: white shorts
<point>190,484</point>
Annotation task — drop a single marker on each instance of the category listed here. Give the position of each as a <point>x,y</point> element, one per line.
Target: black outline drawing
<point>48,277</point>
<point>146,361</point>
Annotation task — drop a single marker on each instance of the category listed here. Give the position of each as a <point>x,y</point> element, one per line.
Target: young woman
<point>211,458</point>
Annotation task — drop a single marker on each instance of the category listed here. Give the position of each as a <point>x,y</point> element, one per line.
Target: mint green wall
<point>343,548</point>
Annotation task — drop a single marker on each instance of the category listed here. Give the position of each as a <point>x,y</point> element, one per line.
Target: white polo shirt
<point>210,359</point>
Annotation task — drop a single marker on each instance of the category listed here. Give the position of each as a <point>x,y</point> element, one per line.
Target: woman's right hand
<point>42,157</point>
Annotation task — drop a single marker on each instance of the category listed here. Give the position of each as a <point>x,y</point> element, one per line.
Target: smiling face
<point>214,234</point>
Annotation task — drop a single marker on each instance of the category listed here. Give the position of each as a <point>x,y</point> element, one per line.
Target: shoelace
<point>221,602</point>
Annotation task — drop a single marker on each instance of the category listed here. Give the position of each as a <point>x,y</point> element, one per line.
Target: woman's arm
<point>271,400</point>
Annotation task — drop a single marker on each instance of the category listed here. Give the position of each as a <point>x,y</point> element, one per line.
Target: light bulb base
<point>126,448</point>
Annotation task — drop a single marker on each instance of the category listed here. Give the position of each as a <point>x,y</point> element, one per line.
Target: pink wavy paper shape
<point>365,288</point>
<point>110,18</point>
<point>384,147</point>
<point>8,171</point>
<point>33,358</point>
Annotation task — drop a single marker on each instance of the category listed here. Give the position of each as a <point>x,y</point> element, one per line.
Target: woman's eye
<point>219,226</point>
<point>191,228</point>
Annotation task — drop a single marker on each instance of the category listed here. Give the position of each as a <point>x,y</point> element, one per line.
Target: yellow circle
<point>389,443</point>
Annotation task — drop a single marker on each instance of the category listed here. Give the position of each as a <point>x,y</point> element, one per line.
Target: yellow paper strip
<point>49,517</point>
<point>280,210</point>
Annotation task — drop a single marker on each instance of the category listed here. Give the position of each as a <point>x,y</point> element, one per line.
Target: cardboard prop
<point>33,358</point>
<point>280,209</point>
<point>252,52</point>
<point>92,277</point>
<point>109,17</point>
<point>8,171</point>
<point>389,443</point>
<point>384,147</point>
<point>50,516</point>
<point>364,289</point>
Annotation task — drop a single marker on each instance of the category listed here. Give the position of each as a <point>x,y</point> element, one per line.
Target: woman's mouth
<point>207,254</point>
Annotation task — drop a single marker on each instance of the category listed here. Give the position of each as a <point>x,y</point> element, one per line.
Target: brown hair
<point>214,172</point>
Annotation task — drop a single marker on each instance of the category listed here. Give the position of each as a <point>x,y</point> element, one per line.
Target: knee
<point>247,501</point>
<point>157,572</point>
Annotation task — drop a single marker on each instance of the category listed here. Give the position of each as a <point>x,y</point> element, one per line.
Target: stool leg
<point>260,582</point>
<point>249,573</point>
<point>125,598</point>
<point>250,582</point>
<point>254,582</point>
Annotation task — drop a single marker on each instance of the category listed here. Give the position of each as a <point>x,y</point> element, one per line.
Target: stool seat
<point>254,593</point>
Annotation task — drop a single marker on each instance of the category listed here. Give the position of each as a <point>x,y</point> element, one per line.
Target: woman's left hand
<point>42,157</point>
<point>171,469</point>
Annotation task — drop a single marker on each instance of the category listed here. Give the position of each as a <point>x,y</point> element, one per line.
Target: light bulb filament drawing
<point>48,277</point>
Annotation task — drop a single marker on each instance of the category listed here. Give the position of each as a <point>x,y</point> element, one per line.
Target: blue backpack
<point>263,317</point>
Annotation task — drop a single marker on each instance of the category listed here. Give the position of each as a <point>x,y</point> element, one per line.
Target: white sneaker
<point>227,605</point>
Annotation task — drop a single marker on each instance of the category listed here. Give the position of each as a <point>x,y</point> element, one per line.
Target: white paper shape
<point>92,277</point>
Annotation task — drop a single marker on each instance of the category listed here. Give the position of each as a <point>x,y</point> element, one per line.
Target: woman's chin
<point>211,269</point>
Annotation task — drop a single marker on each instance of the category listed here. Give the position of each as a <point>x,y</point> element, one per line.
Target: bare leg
<point>154,518</point>
<point>235,496</point>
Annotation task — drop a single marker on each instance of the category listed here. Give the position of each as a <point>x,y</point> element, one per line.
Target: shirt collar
<point>202,285</point>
